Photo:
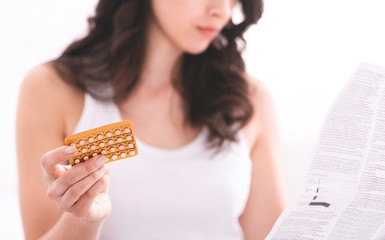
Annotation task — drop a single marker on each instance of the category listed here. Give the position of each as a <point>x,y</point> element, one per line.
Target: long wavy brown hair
<point>212,84</point>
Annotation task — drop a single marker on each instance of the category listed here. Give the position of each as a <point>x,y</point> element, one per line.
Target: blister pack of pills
<point>115,141</point>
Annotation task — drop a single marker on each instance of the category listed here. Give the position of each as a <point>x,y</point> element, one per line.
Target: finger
<point>106,188</point>
<point>56,156</point>
<point>88,198</point>
<point>77,173</point>
<point>72,195</point>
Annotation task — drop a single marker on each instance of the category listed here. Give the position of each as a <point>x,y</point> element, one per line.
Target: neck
<point>161,56</point>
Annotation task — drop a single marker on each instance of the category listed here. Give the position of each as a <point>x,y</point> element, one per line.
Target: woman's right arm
<point>56,201</point>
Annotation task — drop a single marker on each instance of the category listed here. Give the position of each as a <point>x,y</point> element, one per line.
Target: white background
<point>303,50</point>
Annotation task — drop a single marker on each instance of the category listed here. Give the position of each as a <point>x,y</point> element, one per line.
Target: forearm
<point>72,227</point>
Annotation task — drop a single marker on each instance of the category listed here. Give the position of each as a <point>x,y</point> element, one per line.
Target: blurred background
<point>303,50</point>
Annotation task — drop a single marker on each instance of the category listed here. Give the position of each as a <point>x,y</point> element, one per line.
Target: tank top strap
<point>95,114</point>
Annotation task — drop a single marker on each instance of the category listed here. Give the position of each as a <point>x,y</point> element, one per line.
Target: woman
<point>206,134</point>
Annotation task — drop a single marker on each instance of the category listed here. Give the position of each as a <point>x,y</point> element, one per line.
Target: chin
<point>197,48</point>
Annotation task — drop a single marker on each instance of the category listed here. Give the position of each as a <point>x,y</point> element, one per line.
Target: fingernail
<point>100,160</point>
<point>70,150</point>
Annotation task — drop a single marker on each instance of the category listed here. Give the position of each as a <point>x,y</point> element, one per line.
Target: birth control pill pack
<point>115,141</point>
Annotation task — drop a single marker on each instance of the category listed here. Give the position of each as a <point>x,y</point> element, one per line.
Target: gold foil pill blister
<point>115,141</point>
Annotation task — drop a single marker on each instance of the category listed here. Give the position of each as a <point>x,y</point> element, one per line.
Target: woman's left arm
<point>267,197</point>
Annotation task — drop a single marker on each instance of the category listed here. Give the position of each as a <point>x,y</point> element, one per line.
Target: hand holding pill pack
<point>115,141</point>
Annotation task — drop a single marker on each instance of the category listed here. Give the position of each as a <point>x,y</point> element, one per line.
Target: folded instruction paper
<point>343,194</point>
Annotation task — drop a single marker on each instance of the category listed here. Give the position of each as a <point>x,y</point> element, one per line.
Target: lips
<point>210,32</point>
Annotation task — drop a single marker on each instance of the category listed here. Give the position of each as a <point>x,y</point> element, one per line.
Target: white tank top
<point>179,194</point>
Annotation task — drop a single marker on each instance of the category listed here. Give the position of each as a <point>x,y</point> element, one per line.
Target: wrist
<point>85,225</point>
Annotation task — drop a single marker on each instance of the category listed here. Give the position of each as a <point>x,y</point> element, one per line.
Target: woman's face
<point>190,25</point>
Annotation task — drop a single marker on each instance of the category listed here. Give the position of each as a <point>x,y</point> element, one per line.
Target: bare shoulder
<point>263,107</point>
<point>50,97</point>
<point>258,90</point>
